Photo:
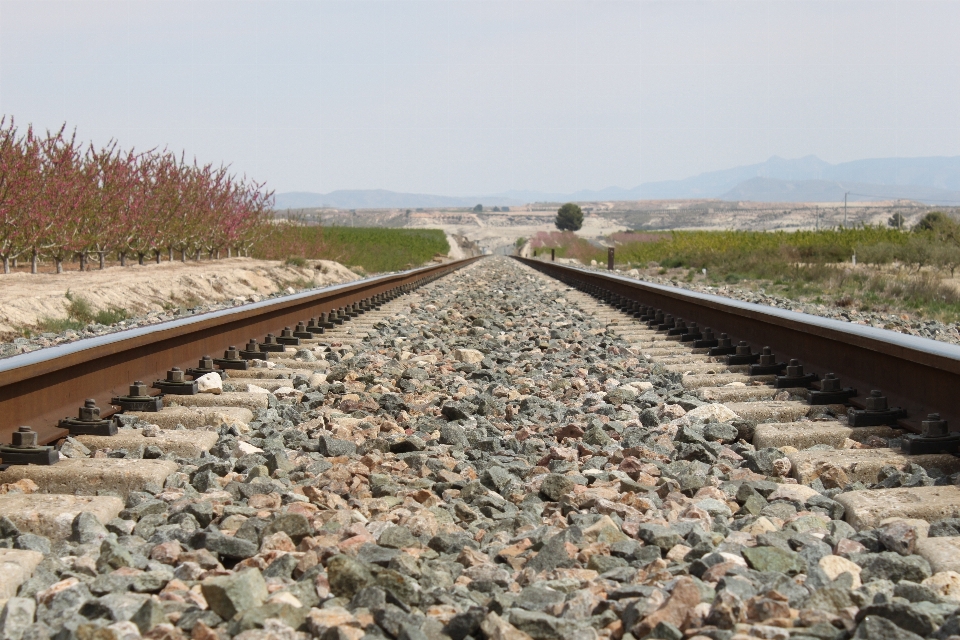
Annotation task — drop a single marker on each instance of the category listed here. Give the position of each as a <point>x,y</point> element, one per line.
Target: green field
<point>371,248</point>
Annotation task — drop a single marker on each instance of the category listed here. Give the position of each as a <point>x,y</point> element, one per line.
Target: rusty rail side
<point>921,375</point>
<point>41,387</point>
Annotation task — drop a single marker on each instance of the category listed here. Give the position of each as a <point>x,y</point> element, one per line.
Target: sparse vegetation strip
<point>375,250</point>
<point>906,270</point>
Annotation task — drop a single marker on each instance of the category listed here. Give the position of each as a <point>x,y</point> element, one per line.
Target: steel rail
<point>918,374</point>
<point>41,387</point>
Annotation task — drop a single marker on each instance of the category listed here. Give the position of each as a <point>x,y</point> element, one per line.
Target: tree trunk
<point>83,261</point>
<point>183,255</point>
<point>170,254</point>
<point>229,252</point>
<point>102,260</point>
<point>218,254</point>
<point>34,262</point>
<point>123,258</point>
<point>140,259</point>
<point>59,263</point>
<point>158,256</point>
<point>6,264</point>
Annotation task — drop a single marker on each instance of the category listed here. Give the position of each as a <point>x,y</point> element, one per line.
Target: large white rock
<point>246,448</point>
<point>946,583</point>
<point>835,566</point>
<point>16,616</point>
<point>210,383</point>
<point>252,388</point>
<point>670,411</point>
<point>793,492</point>
<point>716,411</point>
<point>16,566</point>
<point>471,356</point>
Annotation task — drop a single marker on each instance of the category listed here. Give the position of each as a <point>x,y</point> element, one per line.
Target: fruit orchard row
<point>61,199</point>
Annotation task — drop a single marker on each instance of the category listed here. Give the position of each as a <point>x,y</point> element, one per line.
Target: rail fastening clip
<point>935,437</point>
<point>24,449</point>
<point>138,399</point>
<point>876,412</point>
<point>89,422</point>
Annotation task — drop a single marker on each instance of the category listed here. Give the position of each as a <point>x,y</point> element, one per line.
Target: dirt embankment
<point>26,299</point>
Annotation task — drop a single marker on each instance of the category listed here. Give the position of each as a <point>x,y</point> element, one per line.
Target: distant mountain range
<point>776,190</point>
<point>810,179</point>
<point>935,180</point>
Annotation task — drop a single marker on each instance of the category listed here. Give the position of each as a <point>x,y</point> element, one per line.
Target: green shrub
<point>59,325</point>
<point>295,261</point>
<point>80,313</point>
<point>79,308</point>
<point>113,315</point>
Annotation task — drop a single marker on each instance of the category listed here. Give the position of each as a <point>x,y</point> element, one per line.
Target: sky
<point>475,97</point>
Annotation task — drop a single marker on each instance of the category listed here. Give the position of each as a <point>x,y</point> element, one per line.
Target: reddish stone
<point>166,552</point>
<point>770,605</point>
<point>265,501</point>
<point>569,431</point>
<point>846,547</point>
<point>676,610</point>
<point>164,632</point>
<point>728,610</point>
<point>717,571</point>
<point>631,466</point>
<point>201,631</point>
<point>351,546</point>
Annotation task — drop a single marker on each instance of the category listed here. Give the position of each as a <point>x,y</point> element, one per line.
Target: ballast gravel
<point>489,463</point>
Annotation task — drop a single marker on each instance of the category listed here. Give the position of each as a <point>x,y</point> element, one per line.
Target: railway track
<point>518,449</point>
<point>917,374</point>
<point>41,387</point>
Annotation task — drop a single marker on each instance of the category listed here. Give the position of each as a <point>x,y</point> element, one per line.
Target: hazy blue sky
<point>475,97</point>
